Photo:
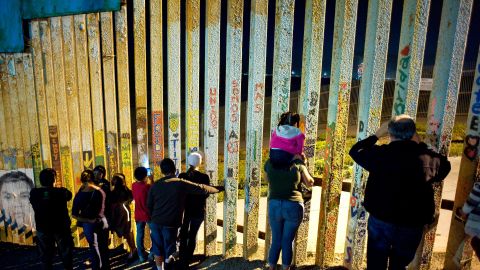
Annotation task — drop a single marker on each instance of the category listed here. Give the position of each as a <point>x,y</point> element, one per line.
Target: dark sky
<point>397,9</point>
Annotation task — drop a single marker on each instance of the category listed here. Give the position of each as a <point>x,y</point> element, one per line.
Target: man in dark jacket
<point>166,203</point>
<point>52,220</point>
<point>399,191</point>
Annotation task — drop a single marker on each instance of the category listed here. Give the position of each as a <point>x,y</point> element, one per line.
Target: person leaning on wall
<point>399,191</point>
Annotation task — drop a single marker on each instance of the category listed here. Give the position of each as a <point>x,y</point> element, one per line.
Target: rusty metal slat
<point>61,98</point>
<point>410,56</point>
<point>233,75</point>
<point>40,94</point>
<point>282,69</point>
<point>156,72</point>
<point>370,110</point>
<point>336,133</point>
<point>309,101</point>
<point>71,88</point>
<point>192,73</point>
<point>32,113</point>
<point>255,115</point>
<point>211,101</point>
<point>468,174</point>
<point>108,61</point>
<point>140,59</point>
<point>443,99</point>
<point>173,74</point>
<point>121,35</point>
<point>3,135</point>
<point>96,90</point>
<point>22,108</point>
<point>10,160</point>
<point>14,111</point>
<point>83,83</point>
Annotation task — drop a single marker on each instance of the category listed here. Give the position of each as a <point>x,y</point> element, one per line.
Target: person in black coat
<point>399,191</point>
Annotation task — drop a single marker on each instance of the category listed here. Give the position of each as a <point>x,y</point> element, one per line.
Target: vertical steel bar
<point>10,155</point>
<point>282,69</point>
<point>96,90</point>
<point>173,74</point>
<point>3,135</point>
<point>443,99</point>
<point>156,72</point>
<point>108,61</point>
<point>72,105</point>
<point>14,111</point>
<point>71,85</point>
<point>192,73</point>
<point>233,88</point>
<point>410,56</point>
<point>32,117</point>
<point>369,115</point>
<point>121,35</point>
<point>140,59</point>
<point>81,53</point>
<point>310,100</point>
<point>255,114</point>
<point>211,101</point>
<point>338,102</point>
<point>468,174</point>
<point>40,84</point>
<point>61,98</point>
<point>22,109</point>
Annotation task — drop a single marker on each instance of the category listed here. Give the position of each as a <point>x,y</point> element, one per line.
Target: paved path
<point>442,229</point>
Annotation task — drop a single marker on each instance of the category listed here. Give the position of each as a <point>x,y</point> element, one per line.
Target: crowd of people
<point>399,198</point>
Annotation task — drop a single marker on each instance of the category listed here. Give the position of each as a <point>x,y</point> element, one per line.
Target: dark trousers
<point>188,237</point>
<point>97,239</point>
<point>46,245</point>
<point>391,244</point>
<point>476,246</point>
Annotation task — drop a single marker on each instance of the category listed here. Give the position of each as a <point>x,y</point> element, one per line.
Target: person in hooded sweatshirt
<point>287,141</point>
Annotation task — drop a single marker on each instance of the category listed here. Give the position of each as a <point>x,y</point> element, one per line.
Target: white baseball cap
<point>194,159</point>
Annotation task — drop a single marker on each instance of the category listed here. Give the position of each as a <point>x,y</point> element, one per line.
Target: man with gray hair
<point>399,192</point>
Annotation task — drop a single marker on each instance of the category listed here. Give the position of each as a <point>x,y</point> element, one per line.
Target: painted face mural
<point>15,189</point>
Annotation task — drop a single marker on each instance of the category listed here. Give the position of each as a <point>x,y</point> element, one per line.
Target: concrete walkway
<point>441,239</point>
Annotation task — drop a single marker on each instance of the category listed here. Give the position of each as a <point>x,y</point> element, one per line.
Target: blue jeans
<point>140,238</point>
<point>391,243</point>
<point>164,240</point>
<point>97,239</point>
<point>46,244</point>
<point>284,217</point>
<point>188,237</point>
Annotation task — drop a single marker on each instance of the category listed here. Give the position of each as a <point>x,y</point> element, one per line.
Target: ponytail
<point>289,118</point>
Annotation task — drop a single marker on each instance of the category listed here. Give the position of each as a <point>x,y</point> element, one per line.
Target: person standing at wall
<point>88,209</point>
<point>399,191</point>
<point>166,203</point>
<point>142,217</point>
<point>194,209</point>
<point>52,220</point>
<point>99,173</point>
<point>120,222</point>
<point>285,208</point>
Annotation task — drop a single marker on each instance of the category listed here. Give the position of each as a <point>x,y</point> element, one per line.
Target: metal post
<point>256,100</point>
<point>173,74</point>
<point>370,110</point>
<point>338,102</point>
<point>140,49</point>
<point>110,95</point>
<point>309,101</point>
<point>84,101</point>
<point>212,95</point>
<point>40,94</point>
<point>233,88</point>
<point>410,57</point>
<point>443,99</point>
<point>156,72</point>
